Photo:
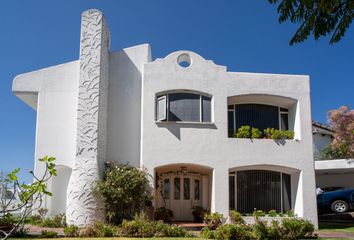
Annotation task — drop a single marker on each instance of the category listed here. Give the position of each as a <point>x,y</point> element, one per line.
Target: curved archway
<point>182,186</point>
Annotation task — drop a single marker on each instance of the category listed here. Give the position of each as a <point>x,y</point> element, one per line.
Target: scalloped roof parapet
<point>196,60</point>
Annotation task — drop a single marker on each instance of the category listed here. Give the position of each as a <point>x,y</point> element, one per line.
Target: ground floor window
<point>259,189</point>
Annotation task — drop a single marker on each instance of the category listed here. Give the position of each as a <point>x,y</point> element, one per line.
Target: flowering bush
<point>124,191</point>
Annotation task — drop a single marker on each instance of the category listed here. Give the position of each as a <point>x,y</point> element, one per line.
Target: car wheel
<point>339,206</point>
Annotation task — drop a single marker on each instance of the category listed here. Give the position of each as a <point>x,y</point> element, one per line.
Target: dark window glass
<point>186,188</point>
<point>196,189</point>
<point>284,110</point>
<point>284,122</point>
<point>166,192</point>
<point>184,107</point>
<point>206,109</point>
<point>258,189</point>
<point>230,122</point>
<point>230,107</point>
<point>232,192</point>
<point>257,115</point>
<point>286,192</point>
<point>177,188</point>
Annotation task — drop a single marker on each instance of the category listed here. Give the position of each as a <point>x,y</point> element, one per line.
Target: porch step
<point>190,226</point>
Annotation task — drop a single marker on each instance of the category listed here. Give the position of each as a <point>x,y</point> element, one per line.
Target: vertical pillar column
<point>220,191</point>
<point>82,207</point>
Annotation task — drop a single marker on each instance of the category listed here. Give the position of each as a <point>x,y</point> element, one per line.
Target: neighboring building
<point>171,116</point>
<point>338,173</point>
<point>322,137</point>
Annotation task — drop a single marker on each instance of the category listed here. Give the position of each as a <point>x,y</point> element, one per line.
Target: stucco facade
<point>104,107</point>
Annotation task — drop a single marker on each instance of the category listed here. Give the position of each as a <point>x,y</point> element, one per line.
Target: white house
<point>171,116</point>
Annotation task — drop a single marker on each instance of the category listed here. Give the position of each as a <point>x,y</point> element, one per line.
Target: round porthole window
<point>184,60</point>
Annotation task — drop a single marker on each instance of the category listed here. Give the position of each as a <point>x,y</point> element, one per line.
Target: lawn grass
<point>336,227</point>
<point>115,238</point>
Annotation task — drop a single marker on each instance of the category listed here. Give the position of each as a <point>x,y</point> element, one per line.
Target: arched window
<point>260,189</point>
<point>258,116</point>
<point>184,107</point>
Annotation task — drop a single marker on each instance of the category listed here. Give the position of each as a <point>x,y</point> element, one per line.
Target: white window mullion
<point>200,109</point>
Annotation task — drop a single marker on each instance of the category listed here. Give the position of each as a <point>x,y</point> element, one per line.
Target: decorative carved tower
<point>82,206</point>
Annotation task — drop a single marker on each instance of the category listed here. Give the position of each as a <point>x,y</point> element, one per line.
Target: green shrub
<point>105,230</point>
<point>7,223</point>
<point>165,230</point>
<point>236,217</point>
<point>214,220</point>
<point>89,231</point>
<point>198,213</point>
<point>256,133</point>
<point>71,231</point>
<point>164,214</point>
<point>124,191</point>
<point>277,134</point>
<point>243,132</point>
<point>296,228</point>
<point>260,230</point>
<point>56,221</point>
<point>272,213</point>
<point>141,227</point>
<point>258,213</point>
<point>49,234</point>
<point>290,213</point>
<point>207,233</point>
<point>232,232</point>
<point>35,219</point>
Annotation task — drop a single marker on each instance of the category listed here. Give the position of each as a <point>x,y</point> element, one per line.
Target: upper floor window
<point>183,106</point>
<point>258,116</point>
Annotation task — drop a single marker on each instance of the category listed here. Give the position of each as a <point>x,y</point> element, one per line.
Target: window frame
<point>165,95</point>
<point>281,110</point>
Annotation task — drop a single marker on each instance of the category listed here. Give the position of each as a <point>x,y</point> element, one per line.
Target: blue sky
<point>242,35</point>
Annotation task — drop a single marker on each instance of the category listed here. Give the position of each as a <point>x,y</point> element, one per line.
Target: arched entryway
<point>180,187</point>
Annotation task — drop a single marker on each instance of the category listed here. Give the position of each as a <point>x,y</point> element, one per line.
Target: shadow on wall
<point>175,128</point>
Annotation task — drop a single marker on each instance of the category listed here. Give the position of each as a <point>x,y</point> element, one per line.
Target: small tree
<point>24,198</point>
<point>124,191</point>
<point>342,122</point>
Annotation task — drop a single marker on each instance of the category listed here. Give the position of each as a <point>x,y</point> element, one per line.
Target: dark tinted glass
<point>186,188</point>
<point>232,192</point>
<point>284,122</point>
<point>206,109</point>
<point>230,122</point>
<point>167,188</point>
<point>177,188</point>
<point>184,107</point>
<point>257,115</point>
<point>258,189</point>
<point>286,192</point>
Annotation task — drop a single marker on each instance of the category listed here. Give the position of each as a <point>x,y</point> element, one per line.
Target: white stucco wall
<point>207,144</point>
<point>56,90</point>
<point>124,104</point>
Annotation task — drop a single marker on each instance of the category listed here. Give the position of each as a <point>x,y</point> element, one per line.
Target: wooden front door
<point>184,193</point>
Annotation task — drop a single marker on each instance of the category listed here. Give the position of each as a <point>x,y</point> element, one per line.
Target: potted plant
<point>198,213</point>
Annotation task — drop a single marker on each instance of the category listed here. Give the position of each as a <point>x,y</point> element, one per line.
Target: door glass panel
<point>186,188</point>
<point>166,191</point>
<point>196,189</point>
<point>177,188</point>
